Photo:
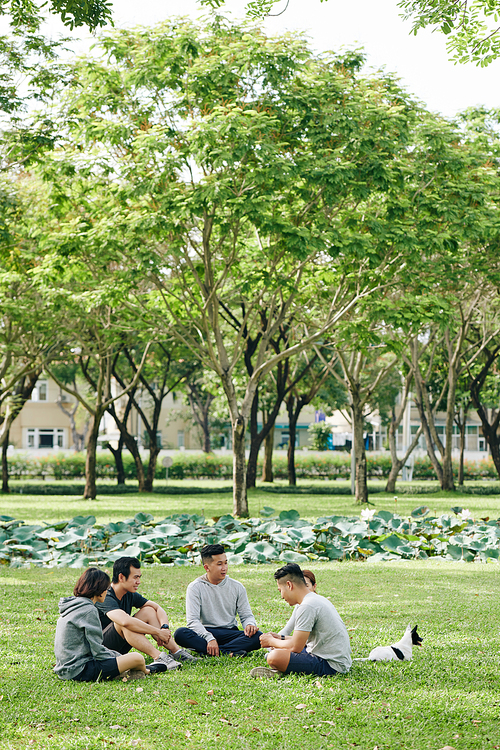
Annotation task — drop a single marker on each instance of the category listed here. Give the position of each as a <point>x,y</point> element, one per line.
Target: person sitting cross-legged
<point>320,642</point>
<point>80,653</point>
<point>122,631</point>
<point>212,603</point>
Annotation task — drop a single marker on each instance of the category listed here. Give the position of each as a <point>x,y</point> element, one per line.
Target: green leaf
<point>421,511</point>
<point>267,511</point>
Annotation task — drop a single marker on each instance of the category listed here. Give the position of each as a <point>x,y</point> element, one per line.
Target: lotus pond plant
<point>375,536</point>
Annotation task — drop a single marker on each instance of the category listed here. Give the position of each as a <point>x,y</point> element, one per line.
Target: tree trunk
<point>267,468</point>
<point>396,463</point>
<point>240,501</point>
<point>5,465</point>
<point>130,443</point>
<point>462,451</point>
<point>90,490</point>
<point>255,443</point>
<point>154,450</point>
<point>118,456</point>
<point>425,426</point>
<point>201,413</point>
<point>448,482</point>
<point>294,407</point>
<point>361,486</point>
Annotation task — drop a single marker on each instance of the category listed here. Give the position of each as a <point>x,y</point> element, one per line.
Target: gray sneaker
<point>266,673</point>
<point>183,655</point>
<point>163,663</point>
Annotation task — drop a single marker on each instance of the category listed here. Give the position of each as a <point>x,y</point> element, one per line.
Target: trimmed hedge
<point>332,465</point>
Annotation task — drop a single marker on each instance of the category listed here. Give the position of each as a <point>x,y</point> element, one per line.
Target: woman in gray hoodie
<point>80,653</point>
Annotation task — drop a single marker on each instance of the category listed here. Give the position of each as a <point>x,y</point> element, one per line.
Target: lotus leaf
<point>422,510</point>
<point>260,551</point>
<point>385,515</point>
<point>168,529</point>
<point>81,521</point>
<point>268,527</point>
<point>293,557</point>
<point>459,553</point>
<point>267,511</point>
<point>289,515</point>
<point>235,559</point>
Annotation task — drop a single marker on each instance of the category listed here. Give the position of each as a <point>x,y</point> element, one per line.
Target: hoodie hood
<point>204,579</point>
<point>68,605</point>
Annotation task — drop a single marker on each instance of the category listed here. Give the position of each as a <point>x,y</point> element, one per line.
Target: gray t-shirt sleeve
<point>193,613</point>
<point>243,608</point>
<point>290,626</point>
<point>305,619</point>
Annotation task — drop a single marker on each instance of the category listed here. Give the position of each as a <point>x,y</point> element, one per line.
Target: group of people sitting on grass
<point>96,630</point>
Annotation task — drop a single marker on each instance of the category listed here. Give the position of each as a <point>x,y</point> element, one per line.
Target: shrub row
<point>333,465</point>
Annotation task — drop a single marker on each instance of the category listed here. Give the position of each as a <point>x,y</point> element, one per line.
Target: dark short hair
<point>309,574</point>
<point>209,550</point>
<point>93,582</point>
<point>122,566</point>
<point>290,572</point>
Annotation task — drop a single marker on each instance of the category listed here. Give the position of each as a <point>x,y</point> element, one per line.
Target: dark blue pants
<point>229,640</point>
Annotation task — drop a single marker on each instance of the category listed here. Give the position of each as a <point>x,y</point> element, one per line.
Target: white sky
<point>420,61</point>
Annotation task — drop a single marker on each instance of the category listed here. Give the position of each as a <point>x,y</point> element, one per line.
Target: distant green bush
<point>326,465</point>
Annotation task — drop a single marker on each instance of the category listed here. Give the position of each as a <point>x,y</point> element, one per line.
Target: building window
<point>41,391</point>
<point>180,438</point>
<point>45,438</point>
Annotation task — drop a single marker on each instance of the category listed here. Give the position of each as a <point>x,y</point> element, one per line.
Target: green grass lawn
<point>449,695</point>
<point>36,508</point>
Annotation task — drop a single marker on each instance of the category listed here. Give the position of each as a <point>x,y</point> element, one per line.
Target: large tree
<point>238,171</point>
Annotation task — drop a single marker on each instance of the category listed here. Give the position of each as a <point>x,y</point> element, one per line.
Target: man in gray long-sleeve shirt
<point>212,603</point>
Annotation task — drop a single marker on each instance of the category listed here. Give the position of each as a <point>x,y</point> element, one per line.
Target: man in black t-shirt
<point>122,631</point>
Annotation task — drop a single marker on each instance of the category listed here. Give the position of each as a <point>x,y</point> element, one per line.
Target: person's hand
<point>164,637</point>
<point>213,648</point>
<point>266,640</point>
<point>250,630</point>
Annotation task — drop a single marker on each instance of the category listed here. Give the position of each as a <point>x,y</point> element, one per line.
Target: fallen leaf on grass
<point>139,690</point>
<point>210,692</point>
<point>116,726</point>
<point>192,702</point>
<point>255,729</point>
<point>225,721</point>
<point>135,742</point>
<point>300,706</point>
<point>187,733</point>
<point>447,747</point>
<point>328,722</point>
<point>318,684</point>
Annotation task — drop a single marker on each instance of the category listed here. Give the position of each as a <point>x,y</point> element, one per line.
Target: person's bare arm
<point>294,643</point>
<point>160,612</point>
<point>137,626</point>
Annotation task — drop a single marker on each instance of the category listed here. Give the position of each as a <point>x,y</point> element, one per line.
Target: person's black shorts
<point>99,670</point>
<point>114,641</point>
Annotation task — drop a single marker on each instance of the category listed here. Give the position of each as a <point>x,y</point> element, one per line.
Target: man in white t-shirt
<point>320,642</point>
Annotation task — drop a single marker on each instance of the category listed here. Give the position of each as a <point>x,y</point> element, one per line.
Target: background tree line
<point>203,208</point>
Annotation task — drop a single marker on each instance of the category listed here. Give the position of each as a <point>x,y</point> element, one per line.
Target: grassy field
<point>36,508</point>
<point>449,695</point>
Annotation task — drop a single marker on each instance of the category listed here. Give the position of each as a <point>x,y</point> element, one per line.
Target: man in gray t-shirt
<point>320,642</point>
